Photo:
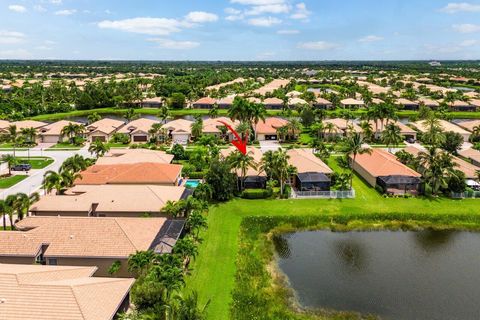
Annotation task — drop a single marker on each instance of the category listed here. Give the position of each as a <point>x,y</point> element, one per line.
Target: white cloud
<point>288,32</point>
<point>268,8</point>
<point>370,38</point>
<point>469,43</point>
<point>257,2</point>
<point>11,37</point>
<point>232,11</point>
<point>264,21</point>
<point>317,45</point>
<point>66,12</point>
<point>15,54</point>
<point>466,28</point>
<point>17,8</point>
<point>301,12</point>
<point>55,1</point>
<point>176,45</point>
<point>233,14</point>
<point>454,7</point>
<point>201,17</point>
<point>152,26</point>
<point>39,8</point>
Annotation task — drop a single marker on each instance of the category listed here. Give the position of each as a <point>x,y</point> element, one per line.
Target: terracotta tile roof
<point>270,125</point>
<point>272,86</point>
<point>382,163</point>
<point>212,125</point>
<point>305,161</point>
<point>29,124</point>
<point>428,102</point>
<point>134,173</point>
<point>179,126</point>
<point>352,102</point>
<point>139,125</point>
<point>86,236</point>
<point>105,125</point>
<point>273,101</point>
<point>205,100</point>
<point>110,198</point>
<point>447,126</point>
<point>295,101</point>
<point>405,102</point>
<point>342,124</point>
<point>55,128</point>
<point>130,156</point>
<point>225,101</point>
<point>469,125</point>
<point>35,292</point>
<point>322,101</point>
<point>404,129</point>
<point>4,124</point>
<point>471,154</point>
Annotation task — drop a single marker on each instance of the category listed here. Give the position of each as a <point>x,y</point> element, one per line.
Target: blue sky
<point>239,29</point>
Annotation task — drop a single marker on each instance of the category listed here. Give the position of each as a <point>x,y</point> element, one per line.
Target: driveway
<point>270,145</point>
<point>34,182</point>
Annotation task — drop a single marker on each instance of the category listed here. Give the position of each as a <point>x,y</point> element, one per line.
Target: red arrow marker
<point>241,145</point>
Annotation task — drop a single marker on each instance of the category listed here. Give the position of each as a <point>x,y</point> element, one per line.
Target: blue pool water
<point>192,183</point>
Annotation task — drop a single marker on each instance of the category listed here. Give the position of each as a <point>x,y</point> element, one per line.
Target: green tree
<point>221,179</point>
<point>353,146</point>
<point>197,127</point>
<point>453,142</point>
<point>177,101</point>
<point>392,136</point>
<point>94,117</point>
<point>98,148</point>
<point>11,161</point>
<point>242,162</point>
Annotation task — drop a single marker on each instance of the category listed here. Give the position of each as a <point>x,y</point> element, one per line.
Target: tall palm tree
<point>129,115</point>
<point>433,135</point>
<point>51,181</point>
<point>353,146</point>
<point>195,223</point>
<point>163,114</point>
<point>72,130</point>
<point>330,128</point>
<point>94,117</point>
<point>242,162</point>
<point>98,148</point>
<point>11,161</point>
<point>21,203</point>
<point>318,129</point>
<point>367,130</point>
<point>155,131</point>
<point>5,209</point>
<point>258,112</point>
<point>197,127</point>
<point>275,164</point>
<point>29,134</point>
<point>12,136</point>
<point>186,249</point>
<point>436,168</point>
<point>294,126</point>
<point>392,136</point>
<point>243,129</point>
<point>76,163</point>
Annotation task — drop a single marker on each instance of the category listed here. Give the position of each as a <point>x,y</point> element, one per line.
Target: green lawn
<point>9,146</point>
<point>37,162</point>
<point>64,146</point>
<point>116,145</point>
<point>6,183</point>
<point>213,274</point>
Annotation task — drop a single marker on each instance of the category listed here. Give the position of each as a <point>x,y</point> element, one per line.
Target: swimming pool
<point>192,184</point>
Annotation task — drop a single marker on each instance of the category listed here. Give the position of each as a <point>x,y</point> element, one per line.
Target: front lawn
<point>64,146</point>
<point>7,182</point>
<point>213,274</point>
<point>37,162</point>
<point>117,145</point>
<point>9,146</point>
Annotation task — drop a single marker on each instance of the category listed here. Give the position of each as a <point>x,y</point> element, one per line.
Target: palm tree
<point>275,164</point>
<point>5,209</point>
<point>98,148</point>
<point>155,131</point>
<point>10,205</point>
<point>21,203</point>
<point>353,146</point>
<point>317,128</point>
<point>189,309</point>
<point>51,180</point>
<point>367,130</point>
<point>94,117</point>
<point>196,222</point>
<point>294,126</point>
<point>436,168</point>
<point>330,128</point>
<point>186,249</point>
<point>197,127</point>
<point>11,161</point>
<point>392,136</point>
<point>258,112</point>
<point>476,131</point>
<point>129,115</point>
<point>433,134</point>
<point>12,136</point>
<point>243,129</point>
<point>76,163</point>
<point>163,114</point>
<point>242,162</point>
<point>72,130</point>
<point>30,135</point>
<point>139,262</point>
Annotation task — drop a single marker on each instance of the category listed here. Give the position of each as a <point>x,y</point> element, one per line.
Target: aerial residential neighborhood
<point>239,159</point>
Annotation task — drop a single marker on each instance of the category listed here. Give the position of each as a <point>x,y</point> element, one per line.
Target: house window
<point>52,262</point>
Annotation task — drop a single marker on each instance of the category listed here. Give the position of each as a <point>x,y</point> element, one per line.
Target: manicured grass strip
<point>8,182</point>
<point>117,145</point>
<point>37,162</point>
<point>64,146</point>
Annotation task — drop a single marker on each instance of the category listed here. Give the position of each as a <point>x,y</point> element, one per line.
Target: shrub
<point>256,194</point>
<point>122,138</point>
<point>197,175</point>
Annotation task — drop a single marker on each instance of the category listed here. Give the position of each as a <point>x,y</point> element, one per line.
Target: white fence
<point>466,195</point>
<point>333,194</point>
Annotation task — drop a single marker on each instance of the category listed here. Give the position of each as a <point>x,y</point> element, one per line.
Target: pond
<point>393,275</point>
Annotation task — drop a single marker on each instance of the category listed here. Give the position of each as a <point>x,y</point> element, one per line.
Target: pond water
<point>393,275</point>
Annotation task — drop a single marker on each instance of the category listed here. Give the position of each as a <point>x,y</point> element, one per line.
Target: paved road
<point>34,181</point>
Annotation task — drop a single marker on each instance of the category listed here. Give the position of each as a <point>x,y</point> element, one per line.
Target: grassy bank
<point>213,274</point>
<point>37,162</point>
<point>194,112</point>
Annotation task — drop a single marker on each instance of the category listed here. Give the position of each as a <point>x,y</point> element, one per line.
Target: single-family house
<point>382,169</point>
<point>406,132</point>
<point>312,173</point>
<point>27,124</point>
<point>204,103</point>
<point>179,130</point>
<point>268,129</point>
<point>273,103</point>
<point>225,103</point>
<point>131,156</point>
<point>32,292</point>
<point>155,102</point>
<point>406,104</point>
<point>83,241</point>
<point>52,133</point>
<point>446,126</point>
<point>322,103</point>
<point>470,125</point>
<point>138,129</point>
<point>103,129</point>
<point>255,178</point>
<point>109,200</point>
<point>432,104</point>
<point>213,126</point>
<point>459,105</point>
<point>294,94</point>
<point>164,174</point>
<point>341,127</point>
<point>352,103</point>
<point>294,102</point>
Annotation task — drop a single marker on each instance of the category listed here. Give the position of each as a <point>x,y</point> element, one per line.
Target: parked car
<point>22,167</point>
